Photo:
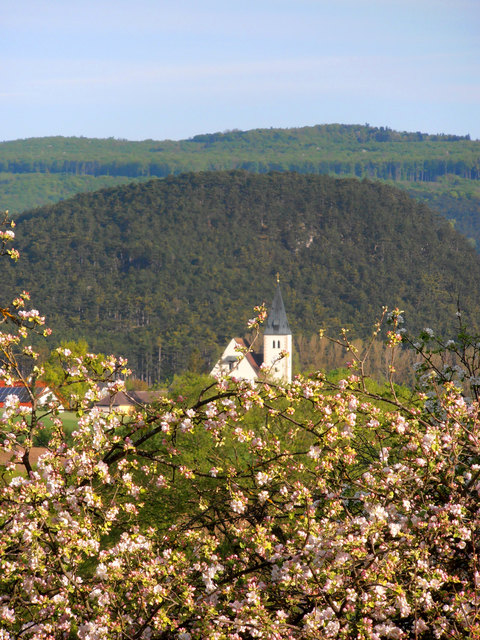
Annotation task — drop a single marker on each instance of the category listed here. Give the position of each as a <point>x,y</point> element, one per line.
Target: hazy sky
<point>160,69</point>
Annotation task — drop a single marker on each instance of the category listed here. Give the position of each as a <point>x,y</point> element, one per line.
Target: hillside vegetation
<point>167,271</point>
<point>442,169</point>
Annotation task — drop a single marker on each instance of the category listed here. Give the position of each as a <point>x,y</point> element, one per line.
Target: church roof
<point>277,323</point>
<point>253,359</point>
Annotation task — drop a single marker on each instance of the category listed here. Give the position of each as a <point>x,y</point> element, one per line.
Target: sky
<point>171,69</point>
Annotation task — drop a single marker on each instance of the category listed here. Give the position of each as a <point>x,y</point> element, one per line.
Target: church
<point>277,337</point>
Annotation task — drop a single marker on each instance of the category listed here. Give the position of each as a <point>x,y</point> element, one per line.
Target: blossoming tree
<point>255,511</point>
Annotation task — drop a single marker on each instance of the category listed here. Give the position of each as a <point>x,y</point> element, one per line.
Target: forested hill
<point>169,270</point>
<point>441,169</point>
<point>342,149</point>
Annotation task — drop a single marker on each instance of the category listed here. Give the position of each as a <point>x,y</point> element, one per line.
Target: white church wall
<point>233,365</point>
<point>273,345</point>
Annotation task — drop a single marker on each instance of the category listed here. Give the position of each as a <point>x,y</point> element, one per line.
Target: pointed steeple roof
<point>277,323</point>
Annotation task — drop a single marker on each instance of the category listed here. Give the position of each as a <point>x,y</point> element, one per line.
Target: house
<point>18,389</point>
<point>277,338</point>
<point>127,402</point>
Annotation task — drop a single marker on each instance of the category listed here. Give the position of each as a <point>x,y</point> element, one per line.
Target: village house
<point>128,402</point>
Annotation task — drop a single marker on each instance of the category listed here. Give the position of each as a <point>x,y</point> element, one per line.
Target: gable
<point>232,363</point>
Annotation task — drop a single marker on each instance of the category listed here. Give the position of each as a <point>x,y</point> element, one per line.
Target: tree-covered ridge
<point>39,171</point>
<point>340,149</point>
<point>165,272</point>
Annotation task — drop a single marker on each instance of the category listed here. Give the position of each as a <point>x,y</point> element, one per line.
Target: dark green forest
<point>166,271</point>
<point>442,169</point>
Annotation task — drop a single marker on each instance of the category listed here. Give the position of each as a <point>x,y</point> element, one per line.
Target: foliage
<point>165,272</point>
<point>328,517</point>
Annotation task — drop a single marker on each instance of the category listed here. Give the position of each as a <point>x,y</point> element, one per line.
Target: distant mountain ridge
<point>168,270</point>
<point>358,150</point>
<point>440,169</point>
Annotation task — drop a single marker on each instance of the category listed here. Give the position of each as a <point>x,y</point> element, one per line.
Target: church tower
<point>277,337</point>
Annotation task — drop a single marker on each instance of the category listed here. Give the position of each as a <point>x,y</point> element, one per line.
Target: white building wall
<point>273,345</point>
<point>229,364</point>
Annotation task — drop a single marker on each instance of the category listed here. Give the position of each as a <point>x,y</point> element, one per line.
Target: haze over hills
<point>443,170</point>
<point>170,269</point>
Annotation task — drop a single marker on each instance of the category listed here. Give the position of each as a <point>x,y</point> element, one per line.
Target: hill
<point>441,169</point>
<point>166,271</point>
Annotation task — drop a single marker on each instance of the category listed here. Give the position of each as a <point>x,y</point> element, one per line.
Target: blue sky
<point>175,68</point>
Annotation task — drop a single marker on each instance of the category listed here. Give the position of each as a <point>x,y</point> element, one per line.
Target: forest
<point>441,169</point>
<point>166,272</point>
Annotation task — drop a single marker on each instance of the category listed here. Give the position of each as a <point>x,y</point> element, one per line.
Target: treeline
<point>166,271</point>
<point>428,170</point>
<point>360,151</point>
<point>89,168</point>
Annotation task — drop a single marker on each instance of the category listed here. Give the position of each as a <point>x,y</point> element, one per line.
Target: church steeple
<point>277,323</point>
<point>277,339</point>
